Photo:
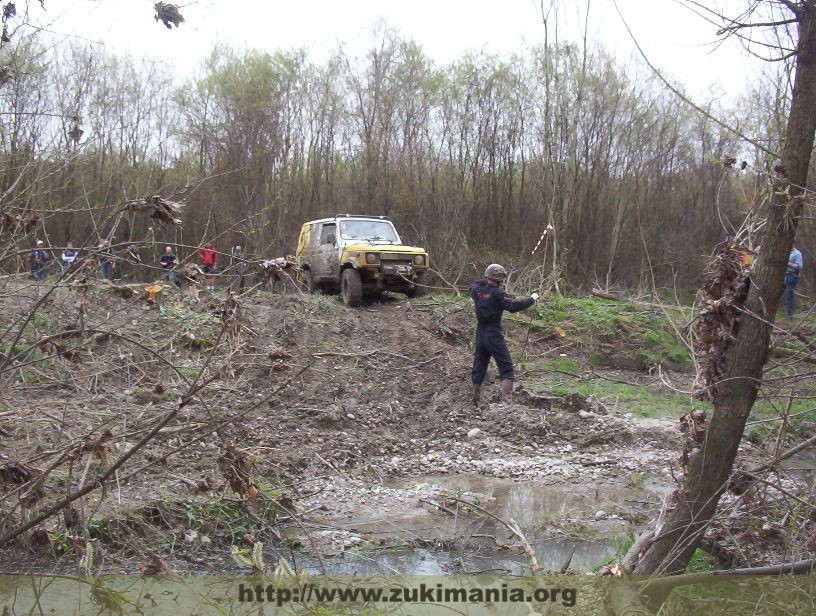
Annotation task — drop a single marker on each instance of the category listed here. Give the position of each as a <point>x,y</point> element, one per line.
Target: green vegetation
<point>621,545</point>
<point>585,322</point>
<point>561,364</point>
<point>637,480</point>
<point>196,328</point>
<point>188,372</point>
<point>701,561</point>
<point>642,400</point>
<point>788,390</point>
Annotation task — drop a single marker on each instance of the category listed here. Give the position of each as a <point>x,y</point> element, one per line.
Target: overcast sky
<point>675,39</point>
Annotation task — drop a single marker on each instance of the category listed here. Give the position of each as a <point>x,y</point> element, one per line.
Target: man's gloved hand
<point>534,296</point>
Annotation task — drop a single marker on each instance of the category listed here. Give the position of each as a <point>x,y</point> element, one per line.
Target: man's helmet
<point>495,272</point>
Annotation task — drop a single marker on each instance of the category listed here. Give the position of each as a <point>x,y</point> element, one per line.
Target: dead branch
<point>510,525</point>
<point>669,583</point>
<point>100,479</point>
<point>168,14</point>
<point>226,422</point>
<point>720,300</point>
<point>159,208</point>
<point>618,298</point>
<point>784,455</point>
<point>783,352</point>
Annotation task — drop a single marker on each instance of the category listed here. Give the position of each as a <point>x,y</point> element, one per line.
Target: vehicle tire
<point>351,288</point>
<point>420,288</point>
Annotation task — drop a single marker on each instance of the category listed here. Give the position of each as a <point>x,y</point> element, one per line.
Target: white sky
<point>675,39</point>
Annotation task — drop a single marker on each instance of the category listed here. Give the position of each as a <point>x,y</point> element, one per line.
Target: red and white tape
<point>541,239</point>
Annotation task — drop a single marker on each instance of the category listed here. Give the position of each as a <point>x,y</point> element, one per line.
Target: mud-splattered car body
<point>357,256</point>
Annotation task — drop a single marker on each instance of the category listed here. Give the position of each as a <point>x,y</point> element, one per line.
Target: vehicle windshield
<point>371,230</point>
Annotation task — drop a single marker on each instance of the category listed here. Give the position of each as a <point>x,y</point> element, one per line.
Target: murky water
<point>469,543</point>
<point>420,539</point>
<point>551,555</point>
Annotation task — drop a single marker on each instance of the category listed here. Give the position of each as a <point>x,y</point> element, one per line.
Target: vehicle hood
<point>384,248</point>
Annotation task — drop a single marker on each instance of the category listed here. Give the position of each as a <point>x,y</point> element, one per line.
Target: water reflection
<point>551,555</point>
<point>480,544</point>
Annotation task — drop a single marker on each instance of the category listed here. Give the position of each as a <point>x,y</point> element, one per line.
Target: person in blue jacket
<point>792,275</point>
<point>490,301</point>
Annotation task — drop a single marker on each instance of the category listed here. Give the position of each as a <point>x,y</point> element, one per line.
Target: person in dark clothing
<point>168,264</point>
<point>490,301</point>
<point>106,262</point>
<point>40,259</point>
<point>238,266</point>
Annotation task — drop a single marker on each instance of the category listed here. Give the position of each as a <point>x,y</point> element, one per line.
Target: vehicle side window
<point>328,233</point>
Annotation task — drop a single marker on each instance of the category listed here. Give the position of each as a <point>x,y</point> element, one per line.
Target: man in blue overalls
<point>490,301</point>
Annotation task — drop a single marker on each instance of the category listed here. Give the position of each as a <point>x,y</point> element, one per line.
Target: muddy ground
<point>302,424</point>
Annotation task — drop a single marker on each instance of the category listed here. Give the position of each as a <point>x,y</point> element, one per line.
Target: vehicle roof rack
<point>361,216</point>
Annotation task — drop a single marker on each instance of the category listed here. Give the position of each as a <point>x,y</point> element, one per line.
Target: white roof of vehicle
<point>349,217</point>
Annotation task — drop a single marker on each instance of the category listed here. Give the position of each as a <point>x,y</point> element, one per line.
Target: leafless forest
<point>472,160</point>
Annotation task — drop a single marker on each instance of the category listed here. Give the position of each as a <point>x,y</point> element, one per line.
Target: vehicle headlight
<point>372,257</point>
<point>419,260</point>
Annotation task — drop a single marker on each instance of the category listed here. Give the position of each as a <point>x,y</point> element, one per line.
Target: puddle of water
<point>532,505</point>
<point>550,553</point>
<point>529,503</point>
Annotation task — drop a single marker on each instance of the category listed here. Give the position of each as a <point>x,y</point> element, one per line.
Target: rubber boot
<point>477,392</point>
<point>507,391</point>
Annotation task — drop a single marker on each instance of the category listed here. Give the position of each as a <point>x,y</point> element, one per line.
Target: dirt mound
<point>270,399</point>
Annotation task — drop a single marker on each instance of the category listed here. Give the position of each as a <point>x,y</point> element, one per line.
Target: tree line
<point>471,160</point>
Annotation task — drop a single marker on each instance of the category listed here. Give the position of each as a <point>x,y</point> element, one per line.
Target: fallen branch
<point>785,352</point>
<point>618,298</point>
<point>525,545</point>
<point>784,455</point>
<point>668,583</point>
<point>438,506</point>
<point>510,525</point>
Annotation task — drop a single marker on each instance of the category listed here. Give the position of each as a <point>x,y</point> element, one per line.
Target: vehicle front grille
<point>392,257</point>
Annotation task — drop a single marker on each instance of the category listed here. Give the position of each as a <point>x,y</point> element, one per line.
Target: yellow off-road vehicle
<point>359,255</point>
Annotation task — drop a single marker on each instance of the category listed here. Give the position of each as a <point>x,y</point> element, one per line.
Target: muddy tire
<point>420,288</point>
<point>351,288</point>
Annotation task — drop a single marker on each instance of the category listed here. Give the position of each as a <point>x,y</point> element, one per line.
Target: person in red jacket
<point>209,260</point>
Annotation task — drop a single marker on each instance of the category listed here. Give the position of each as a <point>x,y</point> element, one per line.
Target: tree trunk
<point>695,502</point>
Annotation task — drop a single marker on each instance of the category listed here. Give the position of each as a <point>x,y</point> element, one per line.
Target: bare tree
<point>695,503</point>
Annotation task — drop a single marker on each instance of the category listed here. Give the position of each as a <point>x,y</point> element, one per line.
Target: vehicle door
<point>325,265</point>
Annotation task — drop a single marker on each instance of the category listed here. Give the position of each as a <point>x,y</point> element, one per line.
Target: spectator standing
<point>792,275</point>
<point>168,263</point>
<point>209,260</point>
<point>106,263</point>
<point>68,256</point>
<point>40,258</point>
<point>238,267</point>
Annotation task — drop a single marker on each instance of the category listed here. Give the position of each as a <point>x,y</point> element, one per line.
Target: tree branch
<point>687,100</point>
